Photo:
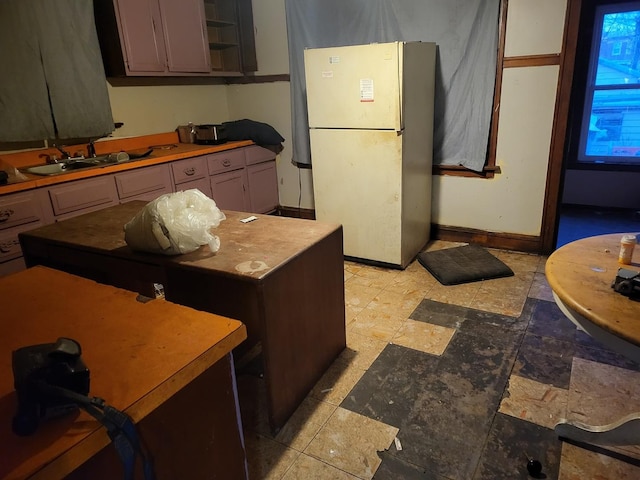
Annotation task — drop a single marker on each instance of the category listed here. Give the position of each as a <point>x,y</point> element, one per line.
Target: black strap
<point>120,428</point>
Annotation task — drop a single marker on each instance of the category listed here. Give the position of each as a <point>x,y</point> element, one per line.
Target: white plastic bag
<point>175,223</point>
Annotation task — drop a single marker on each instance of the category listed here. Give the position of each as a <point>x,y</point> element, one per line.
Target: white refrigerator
<point>371,131</point>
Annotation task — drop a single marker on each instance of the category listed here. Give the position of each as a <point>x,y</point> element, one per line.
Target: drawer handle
<point>189,171</point>
<point>226,163</point>
<point>5,214</point>
<point>6,247</point>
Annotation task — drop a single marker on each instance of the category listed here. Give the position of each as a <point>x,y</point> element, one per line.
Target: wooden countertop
<point>581,273</point>
<point>166,148</point>
<point>249,250</point>
<point>139,354</point>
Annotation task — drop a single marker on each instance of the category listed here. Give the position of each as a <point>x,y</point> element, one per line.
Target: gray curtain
<point>53,83</point>
<point>466,32</point>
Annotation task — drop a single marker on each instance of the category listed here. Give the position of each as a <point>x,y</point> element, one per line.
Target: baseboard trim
<point>305,213</point>
<point>502,240</point>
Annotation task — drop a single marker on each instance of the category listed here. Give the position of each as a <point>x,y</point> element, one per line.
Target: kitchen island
<point>282,277</point>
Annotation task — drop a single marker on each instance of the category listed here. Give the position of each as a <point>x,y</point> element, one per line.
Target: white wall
<point>147,110</point>
<point>513,201</point>
<point>271,102</point>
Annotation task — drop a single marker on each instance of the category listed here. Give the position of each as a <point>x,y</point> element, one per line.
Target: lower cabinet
<point>229,190</point>
<point>229,180</point>
<point>191,173</point>
<point>20,212</point>
<point>245,180</point>
<point>242,179</point>
<point>263,187</point>
<point>262,178</point>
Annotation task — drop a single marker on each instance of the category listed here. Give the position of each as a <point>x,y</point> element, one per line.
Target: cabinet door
<point>263,187</point>
<point>229,190</point>
<point>247,39</point>
<point>185,35</point>
<point>141,34</point>
<point>202,184</point>
<point>83,196</point>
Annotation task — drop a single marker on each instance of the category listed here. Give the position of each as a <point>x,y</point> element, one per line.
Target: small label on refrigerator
<point>334,59</point>
<point>327,74</point>
<point>366,90</point>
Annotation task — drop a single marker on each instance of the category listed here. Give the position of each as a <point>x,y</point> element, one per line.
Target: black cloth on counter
<point>262,134</point>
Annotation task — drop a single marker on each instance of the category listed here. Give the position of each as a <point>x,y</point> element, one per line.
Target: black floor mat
<point>468,263</point>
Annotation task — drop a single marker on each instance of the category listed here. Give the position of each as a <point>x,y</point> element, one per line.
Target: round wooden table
<point>581,275</point>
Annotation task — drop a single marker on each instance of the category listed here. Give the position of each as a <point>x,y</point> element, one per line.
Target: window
<point>610,128</point>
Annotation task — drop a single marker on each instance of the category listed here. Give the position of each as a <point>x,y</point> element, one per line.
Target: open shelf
<point>222,29</point>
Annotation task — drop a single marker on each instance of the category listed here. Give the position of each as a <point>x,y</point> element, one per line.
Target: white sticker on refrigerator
<point>366,90</point>
<point>334,59</point>
<point>327,74</point>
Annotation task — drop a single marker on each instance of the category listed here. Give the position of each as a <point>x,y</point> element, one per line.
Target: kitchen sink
<point>61,167</point>
<point>81,163</point>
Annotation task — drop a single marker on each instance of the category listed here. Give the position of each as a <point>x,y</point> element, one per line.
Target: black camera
<point>627,282</point>
<point>40,372</point>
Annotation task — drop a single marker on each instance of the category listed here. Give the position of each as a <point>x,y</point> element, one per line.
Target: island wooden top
<point>139,354</point>
<point>249,250</point>
<point>581,274</point>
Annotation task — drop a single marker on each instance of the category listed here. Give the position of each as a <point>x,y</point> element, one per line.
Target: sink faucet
<point>65,154</point>
<point>91,149</point>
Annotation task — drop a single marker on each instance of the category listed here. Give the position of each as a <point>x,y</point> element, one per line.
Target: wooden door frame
<point>555,171</point>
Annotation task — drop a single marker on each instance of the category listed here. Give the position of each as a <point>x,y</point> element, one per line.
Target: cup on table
<point>627,243</point>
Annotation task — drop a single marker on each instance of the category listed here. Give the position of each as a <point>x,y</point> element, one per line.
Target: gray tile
<point>510,443</point>
<point>438,313</point>
<point>392,468</point>
<point>548,321</point>
<point>443,406</point>
<point>545,360</point>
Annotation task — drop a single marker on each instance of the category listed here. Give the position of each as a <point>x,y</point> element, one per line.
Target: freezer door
<point>355,87</point>
<point>357,181</point>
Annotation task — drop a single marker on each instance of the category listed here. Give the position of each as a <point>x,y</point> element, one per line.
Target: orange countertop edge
<point>166,148</point>
<point>166,346</point>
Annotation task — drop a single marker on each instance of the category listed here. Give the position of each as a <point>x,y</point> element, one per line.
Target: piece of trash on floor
<point>326,390</point>
<point>398,444</point>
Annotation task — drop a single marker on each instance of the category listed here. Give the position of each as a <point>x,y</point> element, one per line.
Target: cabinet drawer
<point>9,243</point>
<point>142,181</point>
<point>225,161</point>
<point>83,194</point>
<point>190,169</point>
<point>19,209</point>
<point>256,154</point>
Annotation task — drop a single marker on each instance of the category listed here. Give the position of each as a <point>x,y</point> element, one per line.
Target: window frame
<point>490,168</point>
<point>583,88</point>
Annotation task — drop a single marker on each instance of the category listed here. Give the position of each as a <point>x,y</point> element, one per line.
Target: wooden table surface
<point>247,250</point>
<point>139,355</point>
<point>282,277</point>
<point>581,274</point>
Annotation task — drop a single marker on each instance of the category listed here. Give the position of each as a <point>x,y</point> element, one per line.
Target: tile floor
<point>450,383</point>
